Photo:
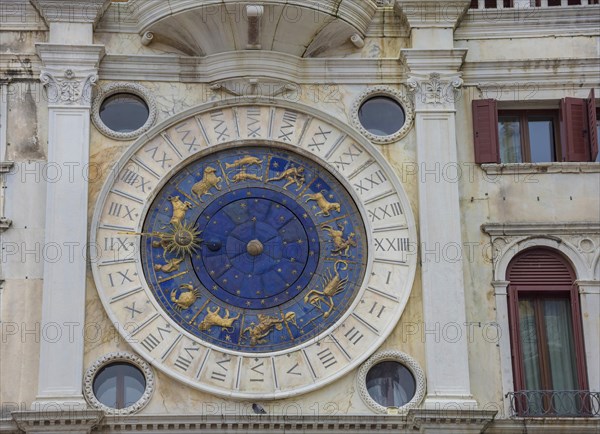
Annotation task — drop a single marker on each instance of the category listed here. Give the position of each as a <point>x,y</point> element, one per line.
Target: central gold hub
<point>255,248</point>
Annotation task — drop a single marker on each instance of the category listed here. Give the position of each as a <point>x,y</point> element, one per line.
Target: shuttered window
<point>545,329</point>
<point>525,136</point>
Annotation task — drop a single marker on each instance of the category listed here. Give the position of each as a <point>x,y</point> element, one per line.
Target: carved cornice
<point>69,89</point>
<point>432,13</point>
<point>435,89</point>
<point>74,421</point>
<point>60,11</point>
<point>531,229</point>
<point>427,61</point>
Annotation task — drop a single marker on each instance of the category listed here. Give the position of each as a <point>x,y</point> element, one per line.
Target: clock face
<point>253,251</point>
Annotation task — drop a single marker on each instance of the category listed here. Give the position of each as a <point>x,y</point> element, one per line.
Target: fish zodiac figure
<point>209,181</point>
<point>179,209</point>
<point>325,206</point>
<point>213,319</point>
<point>186,298</point>
<point>247,160</point>
<point>333,284</point>
<point>266,324</point>
<point>341,245</point>
<point>293,175</point>
<point>242,175</point>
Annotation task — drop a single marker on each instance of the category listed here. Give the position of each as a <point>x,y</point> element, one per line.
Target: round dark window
<point>391,384</point>
<point>119,385</point>
<point>124,112</point>
<point>381,116</point>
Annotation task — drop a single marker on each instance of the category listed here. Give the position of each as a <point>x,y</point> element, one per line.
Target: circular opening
<point>119,385</point>
<point>391,384</point>
<point>381,116</point>
<point>124,112</point>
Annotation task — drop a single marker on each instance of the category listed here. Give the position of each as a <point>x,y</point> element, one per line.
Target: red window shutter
<point>593,129</point>
<point>485,131</point>
<point>574,130</point>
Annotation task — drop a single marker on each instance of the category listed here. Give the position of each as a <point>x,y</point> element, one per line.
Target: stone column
<point>434,78</point>
<point>69,70</point>
<point>589,299</point>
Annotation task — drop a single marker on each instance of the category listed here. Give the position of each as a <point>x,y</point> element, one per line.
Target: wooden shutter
<point>540,267</point>
<point>592,128</point>
<point>574,130</point>
<point>485,131</point>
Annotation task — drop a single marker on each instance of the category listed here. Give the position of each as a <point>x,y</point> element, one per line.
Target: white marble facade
<point>464,221</point>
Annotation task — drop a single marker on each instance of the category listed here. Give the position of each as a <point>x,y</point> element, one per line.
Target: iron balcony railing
<point>555,403</point>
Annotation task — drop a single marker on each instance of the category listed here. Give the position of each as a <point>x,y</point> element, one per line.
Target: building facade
<point>300,216</point>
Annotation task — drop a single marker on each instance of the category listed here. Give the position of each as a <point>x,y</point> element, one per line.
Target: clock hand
<point>183,239</point>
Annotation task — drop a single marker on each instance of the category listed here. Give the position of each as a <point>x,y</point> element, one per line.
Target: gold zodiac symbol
<point>333,284</point>
<point>185,299</point>
<point>213,319</point>
<point>171,266</point>
<point>293,175</point>
<point>266,324</point>
<point>324,204</point>
<point>341,245</point>
<point>208,182</point>
<point>242,175</point>
<point>179,209</point>
<point>247,160</point>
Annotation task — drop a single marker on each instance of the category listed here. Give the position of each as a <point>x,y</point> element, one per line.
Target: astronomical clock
<point>255,251</point>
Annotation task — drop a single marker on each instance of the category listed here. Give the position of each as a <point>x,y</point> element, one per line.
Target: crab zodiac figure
<point>333,284</point>
<point>293,175</point>
<point>341,245</point>
<point>325,206</point>
<point>186,298</point>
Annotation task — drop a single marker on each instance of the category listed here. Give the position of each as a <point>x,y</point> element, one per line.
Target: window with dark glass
<point>546,336</point>
<point>119,385</point>
<point>528,136</point>
<point>382,116</point>
<point>391,384</point>
<point>124,112</point>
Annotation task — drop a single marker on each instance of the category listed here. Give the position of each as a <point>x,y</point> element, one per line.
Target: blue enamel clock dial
<point>254,249</point>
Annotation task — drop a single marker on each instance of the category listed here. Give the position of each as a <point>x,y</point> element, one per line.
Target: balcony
<point>555,403</point>
<point>508,4</point>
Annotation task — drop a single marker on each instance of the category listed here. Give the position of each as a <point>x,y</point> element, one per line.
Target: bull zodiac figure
<point>213,319</point>
<point>266,324</point>
<point>333,284</point>
<point>247,160</point>
<point>325,206</point>
<point>179,209</point>
<point>341,246</point>
<point>293,175</point>
<point>185,298</point>
<point>207,183</point>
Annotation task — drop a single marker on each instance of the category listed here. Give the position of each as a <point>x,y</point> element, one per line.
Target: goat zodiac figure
<point>333,284</point>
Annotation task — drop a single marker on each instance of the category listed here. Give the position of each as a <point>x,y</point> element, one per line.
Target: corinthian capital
<point>70,88</point>
<point>435,89</point>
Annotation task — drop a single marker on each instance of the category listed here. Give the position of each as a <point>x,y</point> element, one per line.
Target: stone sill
<point>528,168</point>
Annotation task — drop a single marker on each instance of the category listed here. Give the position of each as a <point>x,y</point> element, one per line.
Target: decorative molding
<point>5,224</point>
<point>60,11</point>
<point>435,89</point>
<point>6,166</point>
<point>452,421</point>
<point>445,14</point>
<point>532,229</point>
<point>395,94</point>
<point>248,87</point>
<point>394,356</point>
<point>121,356</point>
<point>515,23</point>
<point>422,62</point>
<point>122,87</point>
<point>69,90</point>
<point>47,421</point>
<point>539,168</point>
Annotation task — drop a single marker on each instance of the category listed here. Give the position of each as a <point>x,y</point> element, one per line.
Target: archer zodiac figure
<point>209,181</point>
<point>213,319</point>
<point>333,284</point>
<point>341,245</point>
<point>293,175</point>
<point>325,206</point>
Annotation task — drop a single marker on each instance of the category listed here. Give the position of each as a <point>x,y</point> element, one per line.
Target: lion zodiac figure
<point>179,209</point>
<point>213,319</point>
<point>341,245</point>
<point>266,324</point>
<point>209,181</point>
<point>293,175</point>
<point>325,206</point>
<point>333,284</point>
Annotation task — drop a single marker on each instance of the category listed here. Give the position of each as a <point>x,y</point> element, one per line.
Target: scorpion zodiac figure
<point>333,284</point>
<point>341,246</point>
<point>266,323</point>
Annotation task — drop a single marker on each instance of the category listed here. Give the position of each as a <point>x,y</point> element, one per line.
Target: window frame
<point>523,116</point>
